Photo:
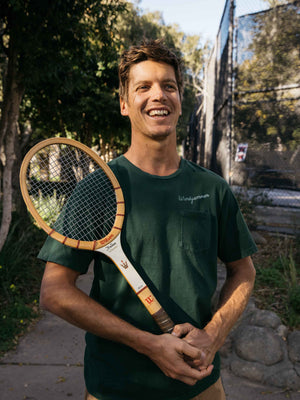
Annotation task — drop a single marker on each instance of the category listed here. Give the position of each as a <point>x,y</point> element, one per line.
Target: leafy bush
<point>277,278</point>
<point>294,298</point>
<point>20,277</point>
<point>271,277</point>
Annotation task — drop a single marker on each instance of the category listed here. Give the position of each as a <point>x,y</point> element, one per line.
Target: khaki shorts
<point>214,392</point>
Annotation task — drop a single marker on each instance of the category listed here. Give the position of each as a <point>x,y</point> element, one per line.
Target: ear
<point>123,107</point>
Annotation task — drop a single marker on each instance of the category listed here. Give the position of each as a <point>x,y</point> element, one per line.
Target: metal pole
<point>230,92</point>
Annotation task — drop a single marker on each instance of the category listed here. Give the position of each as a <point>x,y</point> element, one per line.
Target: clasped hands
<point>185,355</point>
<point>199,339</point>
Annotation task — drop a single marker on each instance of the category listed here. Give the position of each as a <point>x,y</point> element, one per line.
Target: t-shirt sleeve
<point>234,240</point>
<point>76,259</point>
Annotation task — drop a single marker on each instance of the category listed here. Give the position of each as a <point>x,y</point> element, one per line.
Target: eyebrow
<point>140,82</point>
<point>144,81</point>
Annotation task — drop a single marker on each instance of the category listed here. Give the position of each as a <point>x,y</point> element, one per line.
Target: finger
<point>199,360</point>
<point>196,375</point>
<point>201,365</point>
<point>194,363</point>
<point>207,358</point>
<point>182,329</point>
<point>206,371</point>
<point>192,353</point>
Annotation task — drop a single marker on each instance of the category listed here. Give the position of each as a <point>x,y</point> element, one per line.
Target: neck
<point>155,159</point>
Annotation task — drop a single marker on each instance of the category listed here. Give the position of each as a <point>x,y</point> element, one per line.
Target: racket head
<point>72,193</point>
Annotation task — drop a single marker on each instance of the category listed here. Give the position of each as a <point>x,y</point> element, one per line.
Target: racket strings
<point>71,192</point>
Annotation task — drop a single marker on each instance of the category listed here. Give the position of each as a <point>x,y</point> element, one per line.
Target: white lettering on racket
<point>111,246</point>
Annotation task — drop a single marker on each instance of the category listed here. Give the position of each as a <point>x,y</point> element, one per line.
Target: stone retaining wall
<point>261,349</point>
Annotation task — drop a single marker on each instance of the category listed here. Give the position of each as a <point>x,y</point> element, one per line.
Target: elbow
<point>242,271</point>
<point>252,273</point>
<point>49,299</point>
<point>46,301</point>
<point>248,273</point>
<point>57,288</point>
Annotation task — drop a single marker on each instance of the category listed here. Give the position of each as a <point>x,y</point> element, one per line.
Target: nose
<point>158,93</point>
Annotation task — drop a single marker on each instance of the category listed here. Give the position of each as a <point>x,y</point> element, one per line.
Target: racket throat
<point>115,253</point>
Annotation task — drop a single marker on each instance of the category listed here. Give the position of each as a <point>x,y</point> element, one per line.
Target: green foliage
<point>294,142</point>
<point>14,320</point>
<point>292,280</point>
<point>20,276</point>
<point>49,207</point>
<point>271,277</point>
<point>267,113</point>
<point>64,56</point>
<point>67,62</point>
<point>134,26</point>
<point>277,282</point>
<point>68,55</point>
<point>294,298</point>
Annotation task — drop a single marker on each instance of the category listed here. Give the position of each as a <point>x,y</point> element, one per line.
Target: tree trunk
<point>7,187</point>
<point>21,141</point>
<point>12,97</point>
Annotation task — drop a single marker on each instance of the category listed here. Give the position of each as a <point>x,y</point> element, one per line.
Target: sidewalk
<point>48,365</point>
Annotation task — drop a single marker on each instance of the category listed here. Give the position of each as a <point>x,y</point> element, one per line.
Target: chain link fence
<point>249,129</point>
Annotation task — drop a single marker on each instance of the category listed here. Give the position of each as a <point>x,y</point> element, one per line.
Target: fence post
<point>229,127</point>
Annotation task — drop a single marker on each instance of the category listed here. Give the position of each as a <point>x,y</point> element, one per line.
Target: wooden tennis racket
<point>75,197</point>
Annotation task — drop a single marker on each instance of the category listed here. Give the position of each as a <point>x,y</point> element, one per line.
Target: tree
<point>59,77</point>
<point>134,25</point>
<point>57,58</point>
<point>268,78</point>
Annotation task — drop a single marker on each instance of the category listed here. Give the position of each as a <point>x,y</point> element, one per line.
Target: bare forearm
<point>74,306</point>
<point>234,297</point>
<point>60,296</point>
<point>233,300</point>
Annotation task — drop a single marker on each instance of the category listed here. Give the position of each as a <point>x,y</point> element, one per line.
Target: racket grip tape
<point>163,321</point>
<point>155,309</point>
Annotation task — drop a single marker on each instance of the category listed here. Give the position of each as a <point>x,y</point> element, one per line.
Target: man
<point>179,219</point>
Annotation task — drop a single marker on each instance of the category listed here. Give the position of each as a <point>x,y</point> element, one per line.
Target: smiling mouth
<point>158,113</point>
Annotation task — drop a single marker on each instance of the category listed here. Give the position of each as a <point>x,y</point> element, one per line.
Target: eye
<point>142,87</point>
<point>171,87</point>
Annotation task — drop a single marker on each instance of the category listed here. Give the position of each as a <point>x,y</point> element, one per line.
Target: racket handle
<point>163,321</point>
<point>155,309</point>
<point>115,252</point>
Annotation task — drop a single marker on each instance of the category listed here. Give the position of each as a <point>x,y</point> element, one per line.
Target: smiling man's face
<point>153,103</point>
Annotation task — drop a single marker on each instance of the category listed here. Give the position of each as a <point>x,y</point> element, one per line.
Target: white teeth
<point>158,112</point>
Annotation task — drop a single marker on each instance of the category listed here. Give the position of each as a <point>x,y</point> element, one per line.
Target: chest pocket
<point>195,230</point>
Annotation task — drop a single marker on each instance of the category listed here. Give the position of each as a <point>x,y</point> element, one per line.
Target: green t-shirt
<point>174,230</point>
